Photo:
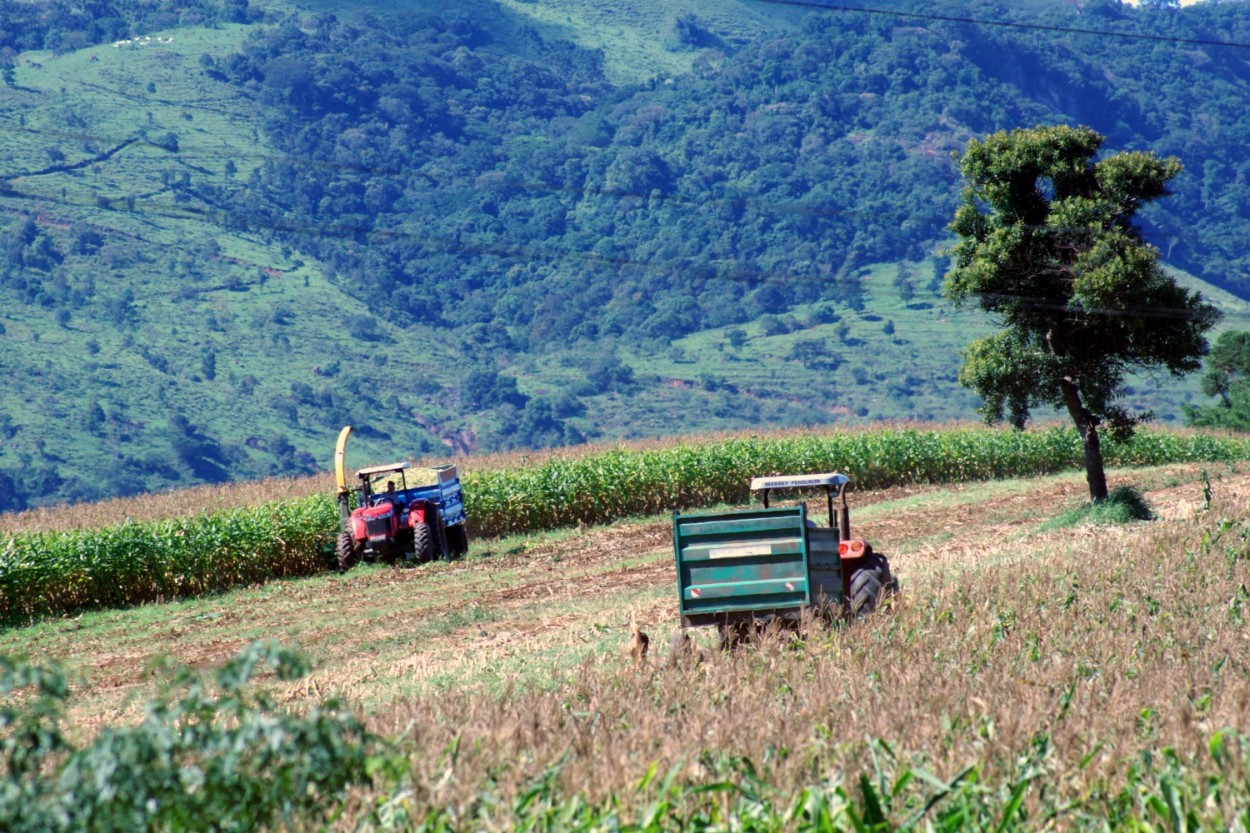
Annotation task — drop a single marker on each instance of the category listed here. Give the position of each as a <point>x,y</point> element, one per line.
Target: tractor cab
<point>383,513</point>
<point>384,484</point>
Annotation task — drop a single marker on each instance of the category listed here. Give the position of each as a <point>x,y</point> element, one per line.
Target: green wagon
<point>739,569</point>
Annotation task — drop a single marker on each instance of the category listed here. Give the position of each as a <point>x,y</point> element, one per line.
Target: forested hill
<point>230,227</point>
<point>744,188</point>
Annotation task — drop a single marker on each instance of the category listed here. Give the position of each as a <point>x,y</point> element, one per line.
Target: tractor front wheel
<point>870,583</point>
<point>422,543</point>
<point>345,551</point>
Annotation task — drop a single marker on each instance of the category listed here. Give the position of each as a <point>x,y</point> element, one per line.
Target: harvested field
<point>526,611</point>
<point>1029,677</point>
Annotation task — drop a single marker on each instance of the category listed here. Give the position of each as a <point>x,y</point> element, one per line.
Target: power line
<point>505,181</point>
<point>1006,24</point>
<point>503,251</point>
<point>521,252</point>
<point>795,209</point>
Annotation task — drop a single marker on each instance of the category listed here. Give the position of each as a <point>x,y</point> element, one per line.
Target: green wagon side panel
<point>824,565</point>
<point>751,561</point>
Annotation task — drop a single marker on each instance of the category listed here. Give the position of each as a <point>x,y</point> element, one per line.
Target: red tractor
<point>399,516</point>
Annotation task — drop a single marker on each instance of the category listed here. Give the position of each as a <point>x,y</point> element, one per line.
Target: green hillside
<point>229,228</point>
<point>161,345</point>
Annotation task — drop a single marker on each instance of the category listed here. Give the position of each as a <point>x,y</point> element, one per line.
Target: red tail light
<point>853,548</point>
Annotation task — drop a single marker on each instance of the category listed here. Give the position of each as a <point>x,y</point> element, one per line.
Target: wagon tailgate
<point>741,561</point>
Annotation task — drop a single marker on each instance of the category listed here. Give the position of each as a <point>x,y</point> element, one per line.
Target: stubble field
<point>1029,675</point>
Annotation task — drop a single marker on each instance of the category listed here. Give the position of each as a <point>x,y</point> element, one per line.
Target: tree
<point>1047,245</point>
<point>607,373</point>
<point>691,32</point>
<point>1228,377</point>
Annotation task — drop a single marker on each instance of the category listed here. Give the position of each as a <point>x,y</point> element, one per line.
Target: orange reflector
<point>854,548</point>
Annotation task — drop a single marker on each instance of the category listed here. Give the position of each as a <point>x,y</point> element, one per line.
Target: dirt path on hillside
<point>384,633</point>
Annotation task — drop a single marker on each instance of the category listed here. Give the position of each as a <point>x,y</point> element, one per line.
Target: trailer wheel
<point>422,543</point>
<point>870,583</point>
<point>457,541</point>
<point>345,552</point>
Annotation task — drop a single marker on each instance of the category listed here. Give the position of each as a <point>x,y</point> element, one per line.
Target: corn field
<point>134,563</point>
<point>613,484</point>
<point>1096,684</point>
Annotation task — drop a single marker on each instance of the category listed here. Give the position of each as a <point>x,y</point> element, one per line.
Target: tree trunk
<point>1087,427</point>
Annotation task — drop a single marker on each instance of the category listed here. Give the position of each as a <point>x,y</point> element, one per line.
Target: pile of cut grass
<point>1123,504</point>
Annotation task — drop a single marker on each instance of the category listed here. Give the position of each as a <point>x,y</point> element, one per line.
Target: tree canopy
<point>1227,377</point>
<point>1048,245</point>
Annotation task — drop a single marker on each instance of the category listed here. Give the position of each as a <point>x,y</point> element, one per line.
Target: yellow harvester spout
<point>340,448</point>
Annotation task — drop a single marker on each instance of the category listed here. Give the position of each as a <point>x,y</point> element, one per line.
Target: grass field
<point>1079,678</point>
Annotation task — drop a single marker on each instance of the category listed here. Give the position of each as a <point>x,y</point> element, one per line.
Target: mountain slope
<point>229,229</point>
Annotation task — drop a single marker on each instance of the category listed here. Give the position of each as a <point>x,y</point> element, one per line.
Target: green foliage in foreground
<point>1160,791</point>
<point>224,757</point>
<point>142,562</point>
<point>220,758</point>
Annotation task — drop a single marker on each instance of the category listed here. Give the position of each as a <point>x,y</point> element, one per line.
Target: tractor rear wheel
<point>457,541</point>
<point>422,543</point>
<point>870,583</point>
<point>345,551</point>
